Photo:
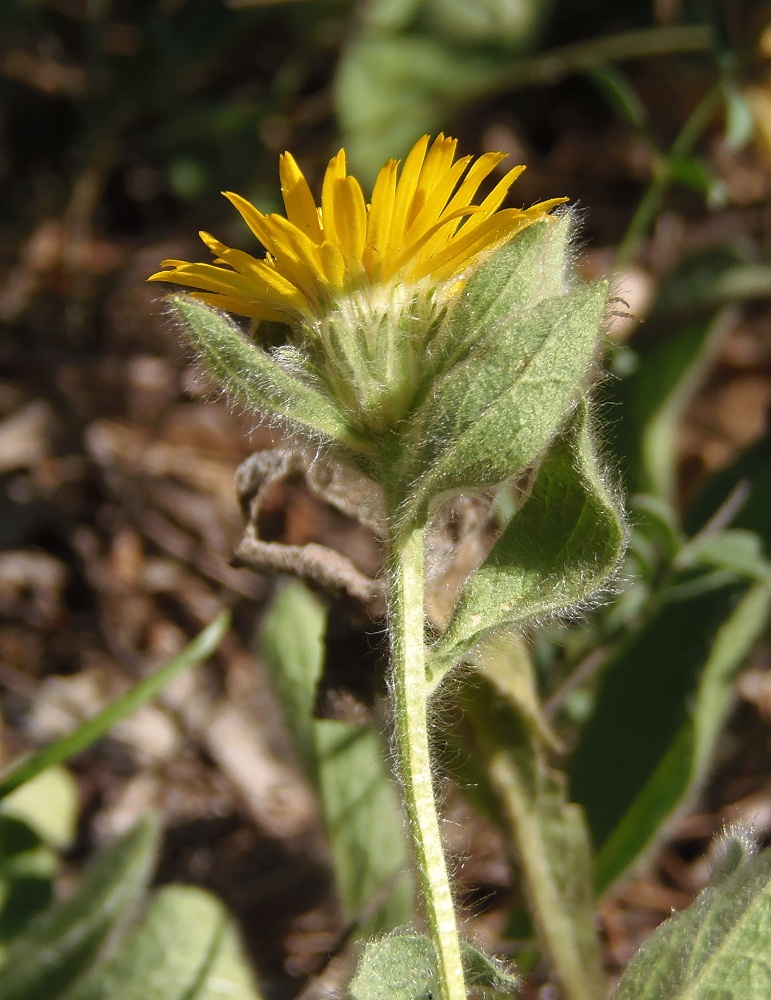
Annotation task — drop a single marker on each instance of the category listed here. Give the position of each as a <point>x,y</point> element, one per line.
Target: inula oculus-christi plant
<point>435,346</point>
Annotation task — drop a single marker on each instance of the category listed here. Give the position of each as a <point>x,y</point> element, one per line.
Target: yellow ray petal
<point>333,265</point>
<point>381,209</point>
<point>429,244</point>
<point>335,171</point>
<point>241,307</point>
<point>466,246</point>
<point>268,286</point>
<point>484,166</point>
<point>492,202</point>
<point>405,193</point>
<point>436,202</point>
<point>421,223</point>
<point>437,162</point>
<point>252,216</point>
<point>300,205</point>
<point>295,254</point>
<point>350,221</point>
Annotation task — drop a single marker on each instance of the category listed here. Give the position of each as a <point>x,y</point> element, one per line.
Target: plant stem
<point>651,201</point>
<point>410,692</point>
<point>549,68</point>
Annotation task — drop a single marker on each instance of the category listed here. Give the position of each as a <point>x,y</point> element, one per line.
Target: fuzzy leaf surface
<point>251,377</point>
<point>717,948</point>
<point>185,948</point>
<point>561,544</point>
<point>402,967</point>
<point>492,415</point>
<point>537,257</point>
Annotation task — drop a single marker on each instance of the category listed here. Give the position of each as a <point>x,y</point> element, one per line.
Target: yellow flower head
<point>421,225</point>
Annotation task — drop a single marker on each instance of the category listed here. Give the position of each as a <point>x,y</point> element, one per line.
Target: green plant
<point>405,360</point>
<point>408,340</point>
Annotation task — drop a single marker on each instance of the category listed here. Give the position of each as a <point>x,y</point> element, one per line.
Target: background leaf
<point>59,946</point>
<point>347,764</point>
<point>184,948</point>
<point>36,821</point>
<point>644,749</point>
<point>92,729</point>
<point>547,834</point>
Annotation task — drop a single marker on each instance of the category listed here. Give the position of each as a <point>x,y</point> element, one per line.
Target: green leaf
<point>249,375</point>
<point>402,967</point>
<point>291,640</point>
<point>620,95</point>
<point>145,690</point>
<point>538,257</point>
<point>717,949</point>
<point>185,948</point>
<point>36,821</point>
<point>48,804</point>
<point>710,279</point>
<point>513,26</point>
<point>28,867</point>
<point>664,699</point>
<point>364,821</point>
<point>736,550</point>
<point>653,400</point>
<point>398,967</point>
<point>391,89</point>
<point>492,415</point>
<point>347,765</point>
<point>59,946</point>
<point>558,548</point>
<point>692,172</point>
<point>739,117</point>
<point>741,490</point>
<point>547,833</point>
<point>676,347</point>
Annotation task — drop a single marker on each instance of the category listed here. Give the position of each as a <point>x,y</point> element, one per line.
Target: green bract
<point>479,386</point>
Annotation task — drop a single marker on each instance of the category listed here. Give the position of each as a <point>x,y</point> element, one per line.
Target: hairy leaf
<point>402,967</point>
<point>250,376</point>
<point>493,414</point>
<point>558,548</point>
<point>717,948</point>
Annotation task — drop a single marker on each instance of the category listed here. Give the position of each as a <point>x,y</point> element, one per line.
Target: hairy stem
<point>411,706</point>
